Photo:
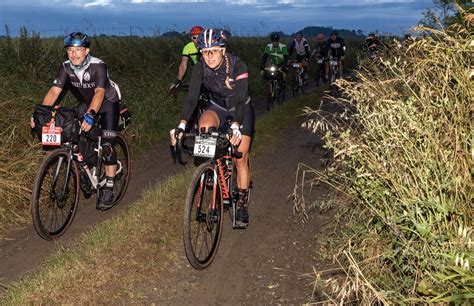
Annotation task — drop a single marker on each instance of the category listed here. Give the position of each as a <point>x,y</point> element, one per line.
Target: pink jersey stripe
<point>242,76</point>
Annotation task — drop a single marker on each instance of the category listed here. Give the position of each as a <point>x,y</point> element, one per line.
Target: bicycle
<point>213,190</point>
<point>334,72</point>
<point>276,86</point>
<point>320,76</point>
<point>299,81</point>
<point>64,172</point>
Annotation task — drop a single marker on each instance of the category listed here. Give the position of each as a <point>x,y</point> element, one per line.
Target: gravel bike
<point>334,74</point>
<point>64,172</point>
<point>212,190</point>
<point>276,86</point>
<point>299,75</point>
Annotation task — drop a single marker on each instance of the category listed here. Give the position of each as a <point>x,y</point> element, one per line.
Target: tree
<point>445,13</point>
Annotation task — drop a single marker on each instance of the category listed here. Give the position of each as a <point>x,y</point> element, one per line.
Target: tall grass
<point>403,153</point>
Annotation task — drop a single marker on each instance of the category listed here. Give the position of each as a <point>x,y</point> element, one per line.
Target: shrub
<point>403,153</point>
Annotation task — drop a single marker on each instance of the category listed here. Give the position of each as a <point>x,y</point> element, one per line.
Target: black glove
<point>175,84</point>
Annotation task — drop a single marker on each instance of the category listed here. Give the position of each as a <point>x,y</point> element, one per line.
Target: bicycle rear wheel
<point>55,195</point>
<point>203,217</point>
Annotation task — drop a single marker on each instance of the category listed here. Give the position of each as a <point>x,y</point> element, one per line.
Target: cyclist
<point>278,54</point>
<point>225,77</point>
<point>88,79</point>
<point>300,44</point>
<point>372,44</point>
<point>190,52</point>
<point>336,49</point>
<point>321,52</point>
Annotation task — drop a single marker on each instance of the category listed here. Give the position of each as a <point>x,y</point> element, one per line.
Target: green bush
<point>403,153</point>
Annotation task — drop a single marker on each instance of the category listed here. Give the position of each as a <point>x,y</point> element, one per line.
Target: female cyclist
<point>225,77</point>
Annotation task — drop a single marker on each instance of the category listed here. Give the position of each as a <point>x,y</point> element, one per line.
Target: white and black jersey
<point>83,82</point>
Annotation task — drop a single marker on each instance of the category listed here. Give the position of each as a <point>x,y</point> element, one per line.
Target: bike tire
<point>196,220</point>
<point>122,179</point>
<point>62,211</point>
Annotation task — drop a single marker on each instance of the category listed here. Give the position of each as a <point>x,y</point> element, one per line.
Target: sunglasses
<point>209,52</point>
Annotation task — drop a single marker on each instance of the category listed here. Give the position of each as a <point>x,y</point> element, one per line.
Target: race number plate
<point>51,136</point>
<point>320,61</point>
<point>296,65</point>
<point>333,63</point>
<point>205,147</point>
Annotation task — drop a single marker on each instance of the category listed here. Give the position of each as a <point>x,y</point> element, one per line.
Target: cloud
<point>248,17</point>
<point>98,3</point>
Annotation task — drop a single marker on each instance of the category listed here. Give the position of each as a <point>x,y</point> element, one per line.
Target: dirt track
<point>261,265</point>
<point>267,263</point>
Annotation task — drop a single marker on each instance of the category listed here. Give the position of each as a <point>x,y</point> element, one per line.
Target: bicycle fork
<point>66,181</point>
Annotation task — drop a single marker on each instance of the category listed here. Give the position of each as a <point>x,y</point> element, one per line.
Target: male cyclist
<point>225,77</point>
<point>300,44</point>
<point>278,54</point>
<point>321,53</point>
<point>372,45</point>
<point>88,79</point>
<point>190,51</point>
<point>336,49</point>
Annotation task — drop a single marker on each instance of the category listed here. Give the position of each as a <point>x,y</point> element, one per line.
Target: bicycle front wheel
<point>55,195</point>
<point>123,168</point>
<point>203,217</point>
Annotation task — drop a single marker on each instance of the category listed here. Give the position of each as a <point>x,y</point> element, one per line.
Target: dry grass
<point>403,152</point>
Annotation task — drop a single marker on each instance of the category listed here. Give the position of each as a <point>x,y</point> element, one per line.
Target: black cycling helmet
<point>333,32</point>
<point>77,39</point>
<point>371,35</point>
<point>211,38</point>
<point>275,37</point>
<point>299,33</point>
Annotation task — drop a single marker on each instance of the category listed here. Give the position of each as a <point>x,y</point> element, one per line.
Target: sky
<point>246,17</point>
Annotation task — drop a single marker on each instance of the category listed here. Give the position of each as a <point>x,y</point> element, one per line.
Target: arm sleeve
<point>101,76</point>
<point>264,60</point>
<point>61,77</point>
<point>292,47</point>
<point>307,49</point>
<point>193,92</point>
<point>241,90</point>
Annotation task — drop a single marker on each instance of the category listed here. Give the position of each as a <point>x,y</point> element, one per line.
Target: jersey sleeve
<point>61,77</point>
<point>101,76</point>
<point>241,90</point>
<point>193,92</point>
<point>267,50</point>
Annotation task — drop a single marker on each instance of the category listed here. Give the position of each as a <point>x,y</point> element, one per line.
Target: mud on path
<point>270,262</point>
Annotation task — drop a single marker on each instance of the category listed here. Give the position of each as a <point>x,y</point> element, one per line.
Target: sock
<point>243,197</point>
<point>109,182</point>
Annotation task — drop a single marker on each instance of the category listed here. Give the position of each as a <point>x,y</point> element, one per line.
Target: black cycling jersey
<point>335,48</point>
<point>213,80</point>
<point>83,82</point>
<point>321,50</point>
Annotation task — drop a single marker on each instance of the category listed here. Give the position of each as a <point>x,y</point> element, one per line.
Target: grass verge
<point>120,259</point>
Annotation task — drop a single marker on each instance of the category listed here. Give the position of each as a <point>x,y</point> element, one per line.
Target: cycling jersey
<point>278,55</point>
<point>192,52</point>
<point>335,48</point>
<point>321,50</point>
<point>302,49</point>
<point>235,102</point>
<point>83,82</point>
